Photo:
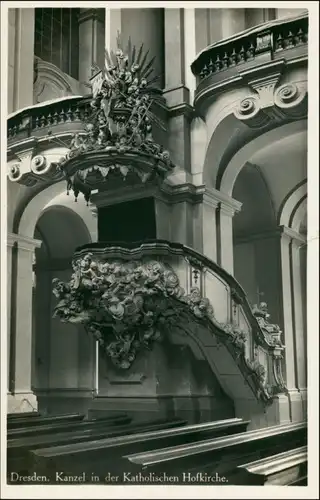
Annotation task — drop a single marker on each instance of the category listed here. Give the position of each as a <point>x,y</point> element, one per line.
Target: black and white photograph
<point>159,291</point>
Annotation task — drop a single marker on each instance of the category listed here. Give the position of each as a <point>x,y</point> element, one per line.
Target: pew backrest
<point>281,469</point>
<point>174,454</point>
<point>66,426</point>
<point>160,436</point>
<point>41,420</point>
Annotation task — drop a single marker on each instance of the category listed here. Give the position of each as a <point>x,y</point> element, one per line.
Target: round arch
<point>54,194</point>
<point>244,154</point>
<point>299,218</point>
<point>55,223</point>
<point>294,207</point>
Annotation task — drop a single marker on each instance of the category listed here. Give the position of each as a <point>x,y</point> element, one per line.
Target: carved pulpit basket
<point>118,136</point>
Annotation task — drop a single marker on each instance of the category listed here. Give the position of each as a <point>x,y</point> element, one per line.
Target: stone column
<point>232,21</point>
<point>10,244</point>
<point>207,226</point>
<point>300,332</point>
<point>254,17</point>
<point>91,41</point>
<point>227,209</point>
<point>21,398</point>
<point>292,320</point>
<point>176,93</point>
<point>20,58</point>
<point>226,214</point>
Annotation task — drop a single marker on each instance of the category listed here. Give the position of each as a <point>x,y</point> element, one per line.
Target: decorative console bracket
<point>271,102</point>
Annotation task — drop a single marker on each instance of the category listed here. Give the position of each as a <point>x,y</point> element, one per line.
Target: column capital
<point>292,236</point>
<point>23,242</point>
<point>227,205</point>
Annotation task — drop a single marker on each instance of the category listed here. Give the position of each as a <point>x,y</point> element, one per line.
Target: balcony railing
<point>283,38</point>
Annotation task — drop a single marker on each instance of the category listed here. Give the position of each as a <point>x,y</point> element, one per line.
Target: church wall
<point>245,269</point>
<point>11,51</point>
<point>165,382</point>
<point>42,329</point>
<point>257,270</point>
<point>20,58</point>
<point>289,12</point>
<point>63,361</point>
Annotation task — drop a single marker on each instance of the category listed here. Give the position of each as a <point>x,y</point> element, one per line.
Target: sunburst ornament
<point>121,119</point>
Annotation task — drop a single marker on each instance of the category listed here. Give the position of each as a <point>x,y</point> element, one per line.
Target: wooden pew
<point>24,422</point>
<point>106,454</point>
<point>219,457</point>
<point>68,425</point>
<point>283,469</point>
<point>17,416</point>
<point>17,449</point>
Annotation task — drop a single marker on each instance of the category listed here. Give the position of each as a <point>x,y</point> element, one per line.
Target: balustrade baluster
<point>280,42</point>
<point>225,61</point>
<point>234,57</point>
<point>250,51</point>
<point>55,118</point>
<point>86,114</point>
<point>218,63</point>
<point>290,40</point>
<point>77,114</point>
<point>36,122</point>
<point>69,115</point>
<point>242,54</point>
<point>61,116</point>
<point>211,67</point>
<point>300,36</point>
<point>43,121</point>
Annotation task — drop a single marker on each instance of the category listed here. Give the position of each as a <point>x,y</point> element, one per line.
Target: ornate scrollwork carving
<point>44,169</point>
<point>271,332</point>
<point>291,98</point>
<point>287,93</point>
<point>126,306</point>
<point>14,172</point>
<point>272,337</point>
<point>38,164</point>
<point>249,110</point>
<point>121,118</point>
<point>112,128</point>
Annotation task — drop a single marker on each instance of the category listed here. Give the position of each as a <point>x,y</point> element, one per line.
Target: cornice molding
<point>170,194</point>
<point>281,231</point>
<point>23,242</point>
<point>226,203</point>
<point>292,235</point>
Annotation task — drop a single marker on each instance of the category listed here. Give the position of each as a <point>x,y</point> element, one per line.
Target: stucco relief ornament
<point>126,306</point>
<point>272,333</point>
<point>121,119</point>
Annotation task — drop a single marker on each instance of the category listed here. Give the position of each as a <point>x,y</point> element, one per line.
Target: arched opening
<point>256,248</point>
<point>62,353</point>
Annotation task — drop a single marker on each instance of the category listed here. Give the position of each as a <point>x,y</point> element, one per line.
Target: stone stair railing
<point>199,300</point>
